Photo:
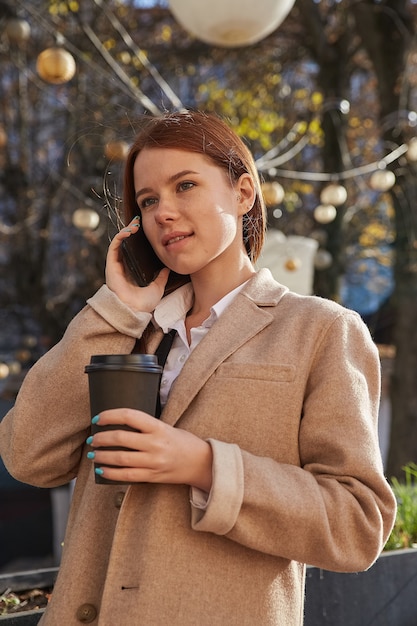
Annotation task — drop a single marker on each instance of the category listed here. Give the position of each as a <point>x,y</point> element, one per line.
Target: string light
<point>354,172</point>
<point>331,196</point>
<point>266,163</point>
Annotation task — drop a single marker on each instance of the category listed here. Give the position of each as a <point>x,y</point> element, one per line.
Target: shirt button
<point>182,358</point>
<point>164,382</point>
<point>118,499</point>
<point>86,613</point>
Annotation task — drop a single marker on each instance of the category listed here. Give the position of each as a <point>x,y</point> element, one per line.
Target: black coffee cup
<point>122,381</point>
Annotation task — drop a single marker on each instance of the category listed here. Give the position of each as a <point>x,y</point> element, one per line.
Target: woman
<point>266,454</point>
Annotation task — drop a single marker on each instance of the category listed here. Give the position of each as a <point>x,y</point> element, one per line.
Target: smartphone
<point>144,265</point>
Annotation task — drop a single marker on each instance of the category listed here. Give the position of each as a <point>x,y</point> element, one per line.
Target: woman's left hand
<point>158,452</point>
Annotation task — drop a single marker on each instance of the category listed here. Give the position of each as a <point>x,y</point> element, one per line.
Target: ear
<point>245,192</point>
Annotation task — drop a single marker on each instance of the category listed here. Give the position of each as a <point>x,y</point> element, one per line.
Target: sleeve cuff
<point>219,513</point>
<point>106,303</point>
<point>199,499</point>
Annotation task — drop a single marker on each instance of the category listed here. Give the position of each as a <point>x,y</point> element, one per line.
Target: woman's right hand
<point>117,279</point>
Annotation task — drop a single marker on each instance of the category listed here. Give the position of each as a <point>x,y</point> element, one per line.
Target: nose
<point>166,210</point>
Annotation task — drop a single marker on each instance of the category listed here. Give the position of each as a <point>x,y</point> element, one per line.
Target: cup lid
<point>142,362</point>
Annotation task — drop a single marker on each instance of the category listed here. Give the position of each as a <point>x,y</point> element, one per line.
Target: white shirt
<point>169,314</point>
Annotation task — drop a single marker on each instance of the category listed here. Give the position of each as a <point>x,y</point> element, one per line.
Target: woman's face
<point>191,213</point>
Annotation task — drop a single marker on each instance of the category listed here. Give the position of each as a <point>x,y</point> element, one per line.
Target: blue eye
<point>146,203</point>
<point>186,184</point>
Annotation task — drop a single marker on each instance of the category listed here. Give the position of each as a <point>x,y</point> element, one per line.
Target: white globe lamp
<point>290,260</point>
<point>412,150</point>
<point>323,259</point>
<point>230,23</point>
<point>17,30</point>
<point>85,219</point>
<point>325,213</point>
<point>382,180</point>
<point>4,370</point>
<point>333,194</point>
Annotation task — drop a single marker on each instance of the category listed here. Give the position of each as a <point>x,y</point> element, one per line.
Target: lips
<point>174,237</point>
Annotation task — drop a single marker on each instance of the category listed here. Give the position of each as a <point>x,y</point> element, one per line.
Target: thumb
<point>162,278</point>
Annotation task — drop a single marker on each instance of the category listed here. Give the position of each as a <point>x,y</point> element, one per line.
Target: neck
<point>210,287</point>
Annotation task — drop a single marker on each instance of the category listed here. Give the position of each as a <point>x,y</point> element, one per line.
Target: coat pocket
<point>257,371</point>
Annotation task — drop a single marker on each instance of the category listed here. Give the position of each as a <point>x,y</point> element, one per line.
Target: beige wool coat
<point>286,389</point>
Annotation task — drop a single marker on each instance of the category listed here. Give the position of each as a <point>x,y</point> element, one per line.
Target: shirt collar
<point>175,306</point>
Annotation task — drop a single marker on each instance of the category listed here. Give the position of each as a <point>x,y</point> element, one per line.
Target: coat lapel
<point>241,321</point>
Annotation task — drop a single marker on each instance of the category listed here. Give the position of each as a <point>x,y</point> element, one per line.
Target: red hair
<point>209,135</point>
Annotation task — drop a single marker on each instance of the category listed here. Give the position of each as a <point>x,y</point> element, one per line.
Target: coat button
<point>86,613</point>
<point>118,499</point>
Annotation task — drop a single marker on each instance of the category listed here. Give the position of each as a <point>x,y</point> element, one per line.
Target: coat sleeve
<point>42,436</point>
<point>336,509</point>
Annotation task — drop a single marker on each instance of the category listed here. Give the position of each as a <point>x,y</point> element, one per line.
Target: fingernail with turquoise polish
<point>95,419</point>
<point>89,440</point>
<point>99,471</point>
<point>91,455</point>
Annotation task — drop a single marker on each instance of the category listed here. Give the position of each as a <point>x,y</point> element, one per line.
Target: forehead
<point>174,155</point>
<point>160,163</point>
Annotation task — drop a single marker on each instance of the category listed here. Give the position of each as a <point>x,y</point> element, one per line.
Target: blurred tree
<point>387,33</point>
<point>311,100</point>
<point>384,31</point>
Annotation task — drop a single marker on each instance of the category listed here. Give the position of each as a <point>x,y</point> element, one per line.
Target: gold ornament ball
<point>116,150</point>
<point>3,137</point>
<point>23,355</point>
<point>55,66</point>
<point>273,193</point>
<point>292,264</point>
